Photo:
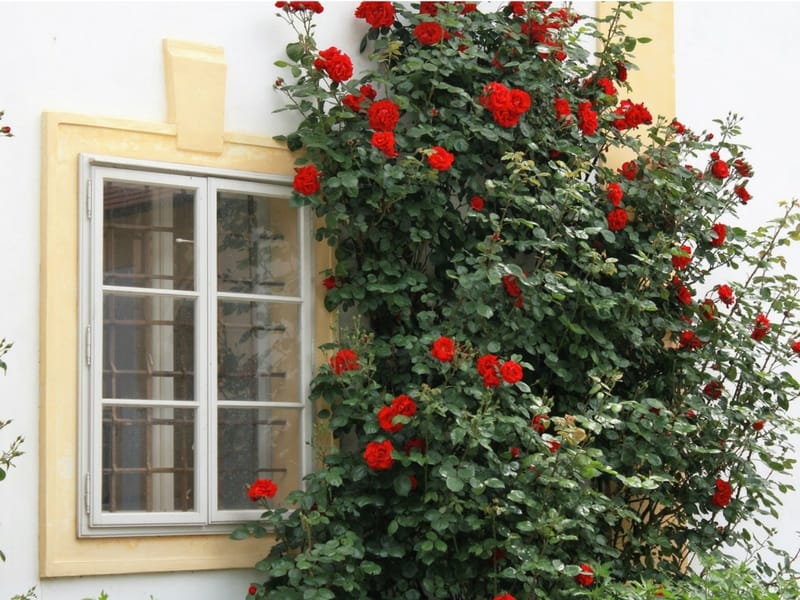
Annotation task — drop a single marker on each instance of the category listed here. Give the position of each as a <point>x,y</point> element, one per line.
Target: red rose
<point>607,86</point>
<point>386,417</point>
<point>429,33</point>
<point>614,193</point>
<point>488,366</point>
<point>511,284</point>
<point>617,219</point>
<point>315,7</point>
<point>713,389</point>
<point>688,340</point>
<point>553,446</point>
<point>720,230</point>
<point>684,295</point>
<point>540,423</point>
<point>682,259</point>
<point>622,72</point>
<point>378,455</point>
<point>796,347</point>
<point>344,360</point>
<point>761,328</point>
<point>678,126</point>
<point>306,180</point>
<point>440,159</point>
<point>719,168</point>
<point>723,493</point>
<point>743,194</point>
<point>252,590</point>
<point>586,576</point>
<point>708,310</point>
<point>384,141</point>
<point>520,101</point>
<point>262,488</point>
<point>353,102</point>
<point>630,115</point>
<point>414,444</point>
<point>629,170</point>
<point>413,481</point>
<point>742,168</point>
<point>335,63</point>
<point>514,452</point>
<point>504,597</point>
<point>726,294</point>
<point>383,115</point>
<point>476,203</point>
<point>376,14</point>
<point>506,118</point>
<point>511,372</point>
<point>496,97</point>
<point>562,108</point>
<point>404,405</point>
<point>587,118</point>
<point>443,349</point>
<point>758,425</point>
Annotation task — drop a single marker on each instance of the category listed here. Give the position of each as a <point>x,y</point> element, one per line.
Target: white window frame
<point>207,517</point>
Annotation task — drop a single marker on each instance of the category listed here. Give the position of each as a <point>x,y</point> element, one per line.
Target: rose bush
<point>585,348</point>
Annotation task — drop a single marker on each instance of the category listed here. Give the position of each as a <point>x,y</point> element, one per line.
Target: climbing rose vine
<point>562,372</point>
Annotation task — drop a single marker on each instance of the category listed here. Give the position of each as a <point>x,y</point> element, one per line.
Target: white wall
<point>741,57</point>
<point>106,59</point>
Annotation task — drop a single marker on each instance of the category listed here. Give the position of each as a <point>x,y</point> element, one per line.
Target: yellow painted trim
<point>61,552</point>
<point>195,82</point>
<point>654,82</point>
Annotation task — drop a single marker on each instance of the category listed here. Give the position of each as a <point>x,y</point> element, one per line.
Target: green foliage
<point>643,395</point>
<point>13,451</point>
<point>29,595</point>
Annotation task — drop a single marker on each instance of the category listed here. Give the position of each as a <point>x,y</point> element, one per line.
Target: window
<point>196,326</point>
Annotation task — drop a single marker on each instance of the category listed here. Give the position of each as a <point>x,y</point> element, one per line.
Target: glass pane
<point>258,351</point>
<point>148,235</point>
<point>257,245</point>
<point>148,459</point>
<point>148,347</point>
<point>261,443</point>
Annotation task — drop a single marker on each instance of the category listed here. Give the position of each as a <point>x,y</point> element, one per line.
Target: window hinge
<point>87,486</point>
<point>88,198</point>
<point>88,345</point>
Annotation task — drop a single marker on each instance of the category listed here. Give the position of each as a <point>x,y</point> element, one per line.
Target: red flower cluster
<point>630,115</point>
<point>678,126</point>
<point>315,7</point>
<point>367,92</point>
<point>491,370</point>
<point>402,405</point>
<point>344,360</point>
<point>506,105</point>
<point>684,295</point>
<point>262,488</point>
<point>335,63</point>
<point>432,8</point>
<point>743,194</point>
<point>761,328</point>
<point>376,14</point>
<point>742,168</point>
<point>723,493</point>
<point>306,180</point>
<point>443,349</point>
<point>562,108</point>
<point>378,455</point>
<point>586,576</point>
<point>688,340</point>
<point>713,389</point>
<point>605,84</point>
<point>720,231</point>
<point>587,118</point>
<point>440,159</point>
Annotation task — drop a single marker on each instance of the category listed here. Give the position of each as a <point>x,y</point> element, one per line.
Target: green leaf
<point>295,51</point>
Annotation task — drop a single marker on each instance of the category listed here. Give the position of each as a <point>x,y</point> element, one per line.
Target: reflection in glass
<point>148,459</point>
<point>260,443</point>
<point>148,235</point>
<point>148,347</point>
<point>258,345</point>
<point>256,245</point>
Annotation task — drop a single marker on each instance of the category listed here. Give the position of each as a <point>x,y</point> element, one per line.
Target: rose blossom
<point>719,169</point>
<point>443,349</point>
<point>376,14</point>
<point>587,118</point>
<point>386,417</point>
<point>306,180</point>
<point>315,7</point>
<point>251,591</point>
<point>476,203</point>
<point>758,425</point>
<point>488,366</point>
<point>511,285</point>
<point>561,106</point>
<point>726,294</point>
<point>540,423</point>
<point>429,33</point>
<point>684,295</point>
<point>378,455</point>
<point>617,219</point>
<point>335,63</point>
<point>384,141</point>
<point>723,493</point>
<point>614,193</point>
<point>743,194</point>
<point>383,115</point>
<point>720,230</point>
<point>796,347</point>
<point>761,328</point>
<point>344,360</point>
<point>440,159</point>
<point>628,170</point>
<point>511,372</point>
<point>504,597</point>
<point>713,389</point>
<point>681,261</point>
<point>742,168</point>
<point>414,444</point>
<point>262,488</point>
<point>586,576</point>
